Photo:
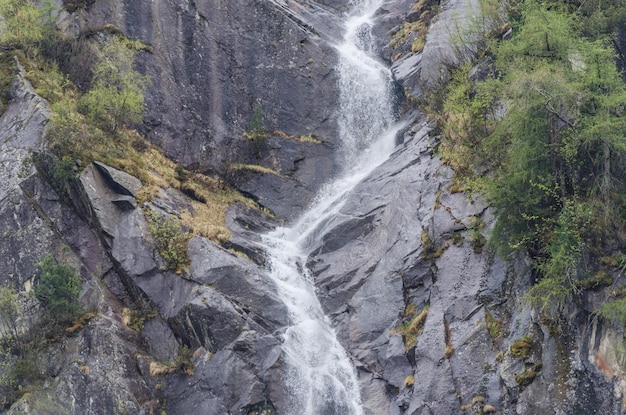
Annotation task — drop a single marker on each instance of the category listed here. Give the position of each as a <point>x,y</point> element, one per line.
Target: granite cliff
<point>432,319</point>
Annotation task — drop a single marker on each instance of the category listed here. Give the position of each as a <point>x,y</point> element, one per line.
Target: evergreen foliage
<point>257,132</point>
<point>58,290</point>
<point>257,125</point>
<point>21,23</point>
<point>548,123</point>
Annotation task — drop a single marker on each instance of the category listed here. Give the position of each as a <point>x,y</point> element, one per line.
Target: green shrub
<point>116,96</point>
<point>22,23</point>
<point>528,375</point>
<point>171,241</point>
<point>257,125</point>
<point>411,329</point>
<point>257,134</point>
<point>521,347</point>
<point>58,290</point>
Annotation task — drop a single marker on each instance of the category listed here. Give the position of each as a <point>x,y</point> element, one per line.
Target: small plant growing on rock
<point>183,363</point>
<point>521,347</point>
<point>171,241</point>
<point>409,381</point>
<point>489,409</point>
<point>600,279</point>
<point>410,330</point>
<point>477,239</point>
<point>614,311</point>
<point>429,250</point>
<point>494,326</point>
<point>257,132</point>
<point>181,173</point>
<point>10,311</point>
<point>449,351</point>
<point>527,376</point>
<point>184,360</point>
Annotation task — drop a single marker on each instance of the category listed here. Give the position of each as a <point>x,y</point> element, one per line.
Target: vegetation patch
<point>93,121</point>
<point>116,94</point>
<point>614,311</point>
<point>527,376</point>
<point>477,400</point>
<point>537,126</point>
<point>171,241</point>
<point>58,290</point>
<point>255,168</point>
<point>308,138</point>
<point>412,34</point>
<point>494,326</point>
<point>599,280</point>
<point>429,250</point>
<point>521,347</point>
<point>256,133</point>
<point>81,322</point>
<point>73,5</point>
<point>410,330</point>
<point>183,363</point>
<point>136,318</point>
<point>449,351</point>
<point>477,239</point>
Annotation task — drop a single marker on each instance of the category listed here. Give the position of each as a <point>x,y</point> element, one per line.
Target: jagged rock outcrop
<point>402,242</point>
<point>223,309</point>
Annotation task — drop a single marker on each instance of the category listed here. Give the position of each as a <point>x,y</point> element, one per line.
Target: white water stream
<point>322,379</point>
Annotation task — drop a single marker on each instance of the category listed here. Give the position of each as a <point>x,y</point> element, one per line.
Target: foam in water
<point>321,378</point>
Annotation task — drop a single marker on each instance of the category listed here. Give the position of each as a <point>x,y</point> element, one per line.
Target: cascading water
<point>321,378</point>
<point>365,84</point>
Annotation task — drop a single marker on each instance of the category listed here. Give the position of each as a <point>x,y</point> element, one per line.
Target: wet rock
<point>239,280</point>
<point>245,225</point>
<point>226,381</point>
<point>451,40</point>
<point>219,299</point>
<point>159,340</point>
<point>125,202</point>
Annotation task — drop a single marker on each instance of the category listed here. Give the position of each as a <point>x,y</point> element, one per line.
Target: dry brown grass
<point>412,329</point>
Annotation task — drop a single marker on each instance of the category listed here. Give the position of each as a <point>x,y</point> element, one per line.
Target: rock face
<point>223,310</point>
<point>402,244</point>
<point>430,315</point>
<point>23,125</point>
<point>451,40</point>
<point>213,63</point>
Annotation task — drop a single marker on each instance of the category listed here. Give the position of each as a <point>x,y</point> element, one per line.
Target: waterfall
<point>321,377</point>
<point>365,107</point>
